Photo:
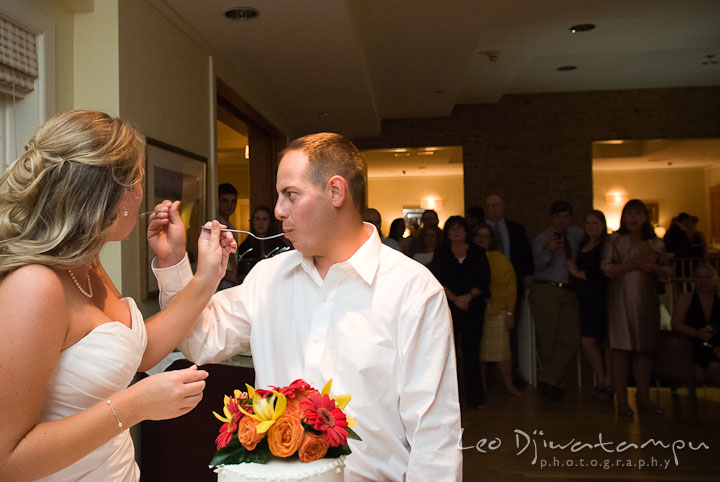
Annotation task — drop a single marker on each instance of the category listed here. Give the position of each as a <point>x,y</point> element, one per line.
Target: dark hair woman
<point>250,251</point>
<point>463,269</point>
<point>634,260</point>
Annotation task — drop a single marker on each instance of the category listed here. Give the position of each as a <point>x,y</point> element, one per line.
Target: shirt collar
<point>364,261</point>
<point>493,223</point>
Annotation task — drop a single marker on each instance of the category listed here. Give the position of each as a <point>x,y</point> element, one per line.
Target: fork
<point>260,238</point>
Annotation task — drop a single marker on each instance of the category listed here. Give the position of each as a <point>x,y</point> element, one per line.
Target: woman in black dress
<point>589,283</point>
<point>250,251</point>
<point>463,269</point>
<point>698,314</point>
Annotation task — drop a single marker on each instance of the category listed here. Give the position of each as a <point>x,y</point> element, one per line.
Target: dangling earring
<point>125,213</point>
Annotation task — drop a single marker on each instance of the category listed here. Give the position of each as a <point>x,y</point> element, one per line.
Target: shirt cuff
<point>173,278</point>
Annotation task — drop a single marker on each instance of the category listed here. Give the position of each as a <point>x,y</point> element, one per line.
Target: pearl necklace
<point>89,292</point>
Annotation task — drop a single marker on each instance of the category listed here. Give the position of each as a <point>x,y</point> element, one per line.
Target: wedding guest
<point>589,284</point>
<point>372,216</point>
<point>397,230</point>
<point>512,241</point>
<point>474,215</point>
<point>553,303</point>
<point>413,230</point>
<point>463,270</point>
<point>428,240</point>
<point>698,246</point>
<point>252,250</point>
<point>72,343</point>
<point>676,238</point>
<point>429,217</point>
<point>227,202</point>
<point>345,307</point>
<point>499,313</point>
<point>698,314</point>
<point>634,260</point>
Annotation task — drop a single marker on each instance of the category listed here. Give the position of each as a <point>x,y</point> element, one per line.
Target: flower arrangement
<point>281,422</point>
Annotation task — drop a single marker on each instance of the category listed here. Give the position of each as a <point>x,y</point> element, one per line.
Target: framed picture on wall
<point>412,215</point>
<point>175,174</point>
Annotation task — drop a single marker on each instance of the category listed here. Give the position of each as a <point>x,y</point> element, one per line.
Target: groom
<point>342,307</point>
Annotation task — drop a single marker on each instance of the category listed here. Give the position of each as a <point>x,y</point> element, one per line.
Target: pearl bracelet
<point>115,414</point>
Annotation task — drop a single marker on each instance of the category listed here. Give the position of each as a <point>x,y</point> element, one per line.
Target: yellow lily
<point>341,401</point>
<point>228,418</point>
<point>265,410</point>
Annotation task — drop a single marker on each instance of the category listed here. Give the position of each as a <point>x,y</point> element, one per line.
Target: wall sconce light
<point>616,198</point>
<point>431,203</point>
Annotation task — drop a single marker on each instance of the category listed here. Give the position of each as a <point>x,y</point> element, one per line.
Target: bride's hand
<point>170,394</point>
<point>214,249</point>
<point>166,233</point>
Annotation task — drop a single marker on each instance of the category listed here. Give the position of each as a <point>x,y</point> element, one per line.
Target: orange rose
<point>293,408</point>
<point>247,433</point>
<point>313,447</point>
<point>285,436</point>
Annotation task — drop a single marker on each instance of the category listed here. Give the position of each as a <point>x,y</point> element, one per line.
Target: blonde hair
<point>59,200</point>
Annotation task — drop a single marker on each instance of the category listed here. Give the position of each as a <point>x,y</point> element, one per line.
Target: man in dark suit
<point>512,240</point>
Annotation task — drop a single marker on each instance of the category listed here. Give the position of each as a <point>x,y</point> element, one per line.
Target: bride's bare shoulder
<point>33,290</point>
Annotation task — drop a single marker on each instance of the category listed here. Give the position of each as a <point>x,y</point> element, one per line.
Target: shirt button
<point>324,299</point>
<point>316,339</point>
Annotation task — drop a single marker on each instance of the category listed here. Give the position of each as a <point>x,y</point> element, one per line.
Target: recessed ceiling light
<point>324,114</point>
<point>566,68</point>
<point>582,27</point>
<point>241,13</point>
<point>439,92</point>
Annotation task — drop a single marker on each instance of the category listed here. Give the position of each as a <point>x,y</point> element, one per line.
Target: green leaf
<point>235,453</point>
<point>335,452</point>
<point>352,434</point>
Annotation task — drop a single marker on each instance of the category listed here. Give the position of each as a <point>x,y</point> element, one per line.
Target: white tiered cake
<point>282,470</point>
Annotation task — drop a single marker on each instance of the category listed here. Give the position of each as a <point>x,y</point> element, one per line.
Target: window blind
<point>18,60</point>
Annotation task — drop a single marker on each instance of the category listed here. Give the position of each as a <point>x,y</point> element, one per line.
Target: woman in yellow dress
<point>499,313</point>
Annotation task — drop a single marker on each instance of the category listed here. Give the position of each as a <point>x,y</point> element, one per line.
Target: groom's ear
<point>338,190</point>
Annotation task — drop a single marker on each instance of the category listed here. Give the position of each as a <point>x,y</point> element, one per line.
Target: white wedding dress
<point>97,366</point>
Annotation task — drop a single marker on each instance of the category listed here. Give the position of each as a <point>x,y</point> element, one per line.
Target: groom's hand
<point>166,234</point>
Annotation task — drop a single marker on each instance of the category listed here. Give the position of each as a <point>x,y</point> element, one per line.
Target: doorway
<point>404,181</point>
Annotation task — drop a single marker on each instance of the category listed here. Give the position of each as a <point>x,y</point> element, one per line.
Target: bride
<point>71,344</point>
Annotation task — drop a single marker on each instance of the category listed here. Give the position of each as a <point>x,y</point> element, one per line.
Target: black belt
<point>565,286</point>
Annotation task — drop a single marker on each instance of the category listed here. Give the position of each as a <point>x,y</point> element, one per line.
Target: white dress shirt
<point>378,325</point>
<point>501,227</point>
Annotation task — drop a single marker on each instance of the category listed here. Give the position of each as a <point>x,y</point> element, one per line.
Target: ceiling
<point>346,65</point>
<point>410,162</point>
<point>633,155</point>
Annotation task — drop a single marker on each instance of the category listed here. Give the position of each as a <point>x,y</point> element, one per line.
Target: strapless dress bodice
<point>91,370</point>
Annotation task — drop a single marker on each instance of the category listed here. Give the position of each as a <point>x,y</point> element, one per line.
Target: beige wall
<point>96,66</point>
<point>389,195</point>
<point>675,190</point>
<point>164,84</point>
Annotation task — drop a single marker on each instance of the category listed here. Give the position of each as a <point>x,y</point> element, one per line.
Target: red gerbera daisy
<point>323,415</point>
<point>233,415</point>
<point>296,386</point>
<point>288,391</point>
